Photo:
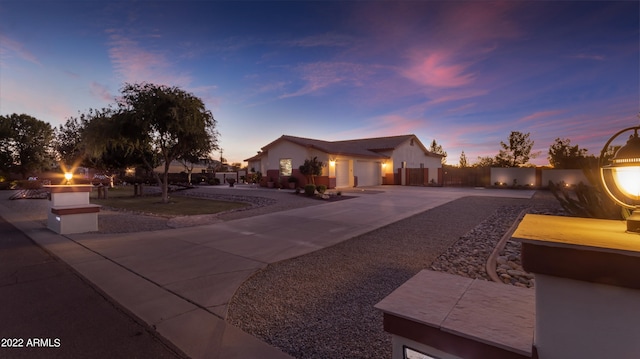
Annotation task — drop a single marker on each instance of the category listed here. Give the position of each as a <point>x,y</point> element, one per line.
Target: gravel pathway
<point>469,256</point>
<point>321,305</point>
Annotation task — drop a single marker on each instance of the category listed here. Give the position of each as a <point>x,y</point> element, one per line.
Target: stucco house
<point>360,162</point>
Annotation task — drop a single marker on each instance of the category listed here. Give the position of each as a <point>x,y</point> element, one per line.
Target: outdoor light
<point>68,176</point>
<point>332,163</point>
<point>621,178</point>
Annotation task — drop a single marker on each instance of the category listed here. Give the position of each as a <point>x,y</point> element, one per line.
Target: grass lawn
<point>122,198</point>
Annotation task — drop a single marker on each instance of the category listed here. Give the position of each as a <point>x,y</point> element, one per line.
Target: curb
<point>491,262</point>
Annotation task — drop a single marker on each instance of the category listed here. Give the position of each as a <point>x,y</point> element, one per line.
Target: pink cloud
<point>9,46</point>
<point>478,24</point>
<point>540,115</point>
<point>462,108</point>
<point>589,57</point>
<point>100,91</point>
<point>320,75</point>
<point>387,125</point>
<point>438,70</point>
<point>206,94</point>
<point>461,94</point>
<point>133,63</point>
<point>463,34</point>
<point>323,40</point>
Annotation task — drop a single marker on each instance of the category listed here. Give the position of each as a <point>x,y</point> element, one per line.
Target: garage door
<point>342,173</point>
<point>368,173</point>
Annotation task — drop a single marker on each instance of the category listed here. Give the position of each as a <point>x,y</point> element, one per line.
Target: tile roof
<point>366,147</point>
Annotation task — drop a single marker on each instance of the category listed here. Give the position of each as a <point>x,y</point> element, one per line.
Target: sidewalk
<point>180,281</point>
<point>42,298</point>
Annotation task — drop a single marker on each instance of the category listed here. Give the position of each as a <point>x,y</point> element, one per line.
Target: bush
<point>310,189</point>
<point>322,189</point>
<point>587,201</point>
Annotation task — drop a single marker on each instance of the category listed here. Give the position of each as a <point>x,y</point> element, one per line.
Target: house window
<point>285,167</point>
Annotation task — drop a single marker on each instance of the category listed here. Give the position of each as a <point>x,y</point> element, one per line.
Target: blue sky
<point>463,73</point>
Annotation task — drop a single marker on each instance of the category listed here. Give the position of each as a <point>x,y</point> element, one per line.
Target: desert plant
<point>586,201</point>
<point>311,168</point>
<point>321,188</point>
<point>255,177</point>
<point>310,189</point>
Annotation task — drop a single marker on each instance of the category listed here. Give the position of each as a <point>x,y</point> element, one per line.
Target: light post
<point>68,176</point>
<point>621,178</point>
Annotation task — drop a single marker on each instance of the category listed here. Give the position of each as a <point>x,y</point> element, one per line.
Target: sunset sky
<point>463,73</point>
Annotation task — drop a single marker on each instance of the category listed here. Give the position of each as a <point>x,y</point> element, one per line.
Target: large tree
<point>162,124</point>
<point>106,147</point>
<point>463,160</point>
<point>25,144</point>
<point>516,152</point>
<point>564,156</point>
<point>68,143</point>
<point>437,149</point>
<point>6,140</point>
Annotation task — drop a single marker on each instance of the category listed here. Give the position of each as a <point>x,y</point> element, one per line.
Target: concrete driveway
<point>180,281</point>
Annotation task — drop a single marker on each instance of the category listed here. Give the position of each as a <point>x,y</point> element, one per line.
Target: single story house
<point>179,167</point>
<point>360,162</point>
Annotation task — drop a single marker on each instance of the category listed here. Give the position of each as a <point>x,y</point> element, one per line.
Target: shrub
<point>322,189</point>
<point>587,201</point>
<point>310,189</point>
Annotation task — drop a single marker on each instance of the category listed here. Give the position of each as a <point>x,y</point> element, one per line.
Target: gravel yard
<point>321,305</point>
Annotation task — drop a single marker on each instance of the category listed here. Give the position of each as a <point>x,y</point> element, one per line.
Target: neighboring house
<point>361,162</point>
<point>179,167</point>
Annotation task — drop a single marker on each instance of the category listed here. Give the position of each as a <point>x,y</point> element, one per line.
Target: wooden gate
<point>417,176</point>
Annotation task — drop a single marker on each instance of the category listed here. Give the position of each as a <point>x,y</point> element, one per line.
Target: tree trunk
<point>165,184</point>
